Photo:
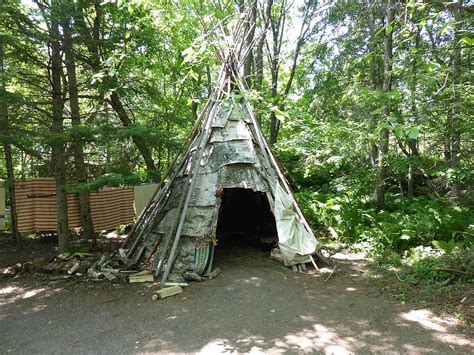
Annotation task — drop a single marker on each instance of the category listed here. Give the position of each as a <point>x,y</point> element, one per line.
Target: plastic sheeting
<point>296,243</point>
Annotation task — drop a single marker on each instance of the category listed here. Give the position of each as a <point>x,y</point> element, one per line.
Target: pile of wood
<point>103,267</point>
<point>96,266</point>
<point>68,264</point>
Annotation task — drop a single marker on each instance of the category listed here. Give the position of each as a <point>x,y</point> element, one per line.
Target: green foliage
<point>107,180</point>
<point>404,224</point>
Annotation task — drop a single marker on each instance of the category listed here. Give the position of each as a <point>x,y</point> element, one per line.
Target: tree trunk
<point>57,130</point>
<point>373,76</point>
<point>80,167</point>
<point>275,25</point>
<point>412,143</point>
<point>379,193</point>
<point>249,36</point>
<point>7,147</point>
<point>259,60</point>
<point>455,109</point>
<point>447,152</point>
<point>413,150</point>
<point>118,107</point>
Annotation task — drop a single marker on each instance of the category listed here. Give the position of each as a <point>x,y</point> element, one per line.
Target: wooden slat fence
<point>36,206</point>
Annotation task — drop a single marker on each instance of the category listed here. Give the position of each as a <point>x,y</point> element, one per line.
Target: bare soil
<point>254,305</point>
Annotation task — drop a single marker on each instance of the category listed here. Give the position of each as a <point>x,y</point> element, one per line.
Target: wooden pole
<point>194,173</point>
<point>163,187</point>
<point>181,214</point>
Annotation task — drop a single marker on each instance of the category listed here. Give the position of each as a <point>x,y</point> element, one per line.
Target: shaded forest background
<point>367,103</point>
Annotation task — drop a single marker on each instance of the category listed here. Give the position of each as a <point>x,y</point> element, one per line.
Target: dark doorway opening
<point>245,220</point>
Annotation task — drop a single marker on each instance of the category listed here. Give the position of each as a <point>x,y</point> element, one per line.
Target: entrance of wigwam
<point>245,221</point>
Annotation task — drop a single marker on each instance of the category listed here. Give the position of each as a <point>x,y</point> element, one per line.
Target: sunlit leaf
<point>414,133</point>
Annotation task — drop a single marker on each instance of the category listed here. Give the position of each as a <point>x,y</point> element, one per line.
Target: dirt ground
<point>254,305</point>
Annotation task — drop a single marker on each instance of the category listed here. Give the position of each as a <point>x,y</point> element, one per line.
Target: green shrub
<point>406,223</point>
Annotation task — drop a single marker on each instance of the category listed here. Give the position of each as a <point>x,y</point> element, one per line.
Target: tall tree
<point>93,38</point>
<point>7,146</point>
<point>78,144</point>
<point>455,101</point>
<point>58,143</point>
<point>379,193</point>
<point>278,21</point>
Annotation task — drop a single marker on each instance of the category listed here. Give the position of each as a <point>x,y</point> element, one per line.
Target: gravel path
<point>254,305</point>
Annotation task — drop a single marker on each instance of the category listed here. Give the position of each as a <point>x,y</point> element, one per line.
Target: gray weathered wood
<point>111,277</point>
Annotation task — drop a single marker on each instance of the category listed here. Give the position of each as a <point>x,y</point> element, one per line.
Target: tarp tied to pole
<point>296,243</point>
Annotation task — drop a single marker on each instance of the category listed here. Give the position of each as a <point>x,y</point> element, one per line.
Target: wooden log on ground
<point>49,267</point>
<point>192,276</point>
<point>74,268</point>
<point>111,277</point>
<point>110,270</point>
<point>63,257</point>
<point>214,273</point>
<point>93,273</point>
<point>167,292</point>
<point>144,276</point>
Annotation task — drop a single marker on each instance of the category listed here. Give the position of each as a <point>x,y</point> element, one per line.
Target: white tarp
<point>296,243</point>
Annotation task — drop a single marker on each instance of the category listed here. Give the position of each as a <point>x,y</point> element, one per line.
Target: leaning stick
<point>313,262</point>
